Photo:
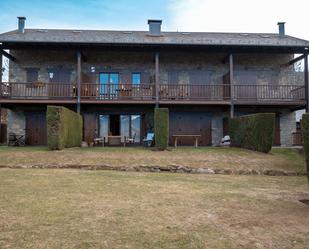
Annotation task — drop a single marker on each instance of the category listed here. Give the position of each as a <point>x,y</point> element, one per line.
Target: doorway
<point>126,126</point>
<point>109,85</point>
<point>36,132</point>
<point>114,125</point>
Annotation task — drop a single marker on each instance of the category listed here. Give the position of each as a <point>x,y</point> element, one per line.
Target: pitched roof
<point>143,38</point>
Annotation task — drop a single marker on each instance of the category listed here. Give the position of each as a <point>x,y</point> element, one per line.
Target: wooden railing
<point>269,92</point>
<point>38,90</point>
<point>117,91</point>
<point>167,92</point>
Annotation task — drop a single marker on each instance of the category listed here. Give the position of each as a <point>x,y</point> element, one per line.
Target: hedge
<point>161,127</point>
<point>64,128</point>
<point>305,137</point>
<point>253,132</point>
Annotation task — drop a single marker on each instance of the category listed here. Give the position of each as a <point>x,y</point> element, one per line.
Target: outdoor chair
<point>16,140</point>
<point>149,140</point>
<point>131,140</point>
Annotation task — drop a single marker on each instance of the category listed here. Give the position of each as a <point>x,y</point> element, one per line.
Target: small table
<point>196,137</point>
<point>115,140</point>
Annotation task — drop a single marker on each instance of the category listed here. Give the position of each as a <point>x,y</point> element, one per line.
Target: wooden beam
<point>157,78</point>
<point>79,77</point>
<point>291,62</point>
<point>7,55</point>
<point>231,85</point>
<point>306,81</point>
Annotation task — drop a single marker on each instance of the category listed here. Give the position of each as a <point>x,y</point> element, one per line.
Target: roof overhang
<point>155,46</point>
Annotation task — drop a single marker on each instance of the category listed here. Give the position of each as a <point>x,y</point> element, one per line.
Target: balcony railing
<point>166,92</point>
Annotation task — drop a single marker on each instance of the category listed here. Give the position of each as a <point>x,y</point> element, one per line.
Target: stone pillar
<point>287,126</point>
<point>216,128</point>
<point>16,122</point>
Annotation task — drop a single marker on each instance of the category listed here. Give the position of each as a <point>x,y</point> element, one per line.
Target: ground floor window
<point>125,126</point>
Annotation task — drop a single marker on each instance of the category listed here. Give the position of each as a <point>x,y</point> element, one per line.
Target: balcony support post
<point>1,69</point>
<point>79,76</point>
<point>306,81</point>
<point>1,72</point>
<point>157,77</point>
<point>231,85</point>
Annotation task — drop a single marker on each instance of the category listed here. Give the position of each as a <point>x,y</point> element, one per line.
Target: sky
<point>177,15</point>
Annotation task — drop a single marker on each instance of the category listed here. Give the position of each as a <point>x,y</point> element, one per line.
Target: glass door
<point>104,126</point>
<point>109,85</point>
<point>130,128</point>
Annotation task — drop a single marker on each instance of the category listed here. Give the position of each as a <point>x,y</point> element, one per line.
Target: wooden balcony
<point>40,92</point>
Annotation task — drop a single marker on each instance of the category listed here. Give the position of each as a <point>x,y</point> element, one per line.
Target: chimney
<point>281,29</point>
<point>155,27</point>
<point>21,24</point>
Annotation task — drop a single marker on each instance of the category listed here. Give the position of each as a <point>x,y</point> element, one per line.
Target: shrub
<point>305,137</point>
<point>253,132</point>
<point>161,127</point>
<point>64,128</point>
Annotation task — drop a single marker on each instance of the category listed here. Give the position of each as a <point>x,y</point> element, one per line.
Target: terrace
<point>221,94</point>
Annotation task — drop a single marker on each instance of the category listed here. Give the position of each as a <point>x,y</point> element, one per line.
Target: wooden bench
<point>196,137</point>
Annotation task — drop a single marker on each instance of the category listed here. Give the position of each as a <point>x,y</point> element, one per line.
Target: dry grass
<point>107,209</point>
<point>226,158</point>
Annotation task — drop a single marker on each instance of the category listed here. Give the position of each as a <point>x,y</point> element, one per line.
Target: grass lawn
<point>50,208</point>
<point>206,157</point>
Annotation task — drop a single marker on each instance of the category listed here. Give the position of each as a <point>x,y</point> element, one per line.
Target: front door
<point>109,83</point>
<point>36,133</point>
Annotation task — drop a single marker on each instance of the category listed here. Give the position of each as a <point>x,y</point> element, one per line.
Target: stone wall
<point>287,126</point>
<point>216,128</point>
<point>16,122</point>
<point>183,63</point>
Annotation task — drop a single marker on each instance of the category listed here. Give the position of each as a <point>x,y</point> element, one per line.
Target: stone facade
<point>183,65</point>
<point>16,122</point>
<point>175,67</point>
<point>216,128</point>
<point>287,126</point>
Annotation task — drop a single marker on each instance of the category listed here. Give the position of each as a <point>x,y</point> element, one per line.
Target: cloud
<point>240,16</point>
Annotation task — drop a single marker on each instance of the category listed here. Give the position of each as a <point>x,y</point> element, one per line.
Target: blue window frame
<point>136,78</point>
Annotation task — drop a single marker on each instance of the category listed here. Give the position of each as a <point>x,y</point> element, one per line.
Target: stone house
<point>116,78</point>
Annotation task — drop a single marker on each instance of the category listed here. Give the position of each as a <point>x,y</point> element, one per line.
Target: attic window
<point>185,33</point>
<point>127,32</point>
<point>76,31</point>
<point>42,30</point>
<point>244,34</point>
<point>265,36</point>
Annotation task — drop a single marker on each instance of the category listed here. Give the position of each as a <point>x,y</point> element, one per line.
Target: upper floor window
<point>32,75</point>
<point>136,78</point>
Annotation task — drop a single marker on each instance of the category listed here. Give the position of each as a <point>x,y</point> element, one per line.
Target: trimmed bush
<point>161,127</point>
<point>253,132</point>
<point>305,137</point>
<point>64,128</point>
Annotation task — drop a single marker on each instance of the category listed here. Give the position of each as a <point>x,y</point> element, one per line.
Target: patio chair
<point>131,140</point>
<point>16,140</point>
<point>149,139</point>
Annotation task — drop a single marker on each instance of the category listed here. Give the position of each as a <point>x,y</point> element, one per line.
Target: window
<point>32,75</point>
<point>136,78</point>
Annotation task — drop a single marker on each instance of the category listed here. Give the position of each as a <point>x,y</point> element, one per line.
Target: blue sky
<point>83,14</point>
<point>182,15</point>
